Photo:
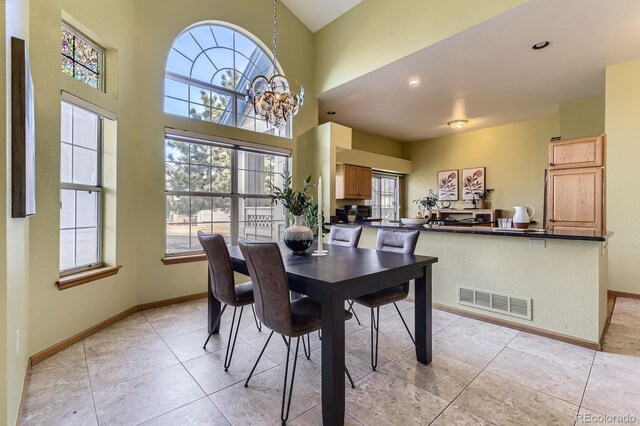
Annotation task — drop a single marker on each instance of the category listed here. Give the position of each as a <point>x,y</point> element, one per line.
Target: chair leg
<point>353,311</point>
<point>231,346</point>
<point>375,322</point>
<point>285,341</point>
<point>284,415</point>
<point>306,346</point>
<point>246,383</point>
<point>215,324</point>
<point>319,335</point>
<point>405,324</point>
<point>346,370</point>
<point>255,318</point>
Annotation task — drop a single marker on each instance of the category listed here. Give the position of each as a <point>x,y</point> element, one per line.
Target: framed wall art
<point>23,134</point>
<point>473,182</point>
<point>448,185</point>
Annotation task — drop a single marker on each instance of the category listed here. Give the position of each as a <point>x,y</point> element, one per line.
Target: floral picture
<point>448,185</point>
<point>473,181</point>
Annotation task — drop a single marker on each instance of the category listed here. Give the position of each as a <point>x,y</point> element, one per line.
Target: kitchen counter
<point>479,230</point>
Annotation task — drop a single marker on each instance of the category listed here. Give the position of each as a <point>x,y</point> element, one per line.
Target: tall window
<point>385,199</point>
<point>80,189</point>
<point>220,188</point>
<point>208,69</point>
<point>82,59</point>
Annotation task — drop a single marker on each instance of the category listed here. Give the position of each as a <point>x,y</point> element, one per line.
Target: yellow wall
<point>365,142</point>
<point>375,33</point>
<point>515,157</point>
<point>622,153</point>
<point>3,225</point>
<point>582,117</point>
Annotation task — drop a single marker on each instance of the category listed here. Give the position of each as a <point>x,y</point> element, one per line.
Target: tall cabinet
<point>575,186</point>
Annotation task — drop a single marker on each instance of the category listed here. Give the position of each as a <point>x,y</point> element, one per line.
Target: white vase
<point>298,237</point>
<point>522,218</point>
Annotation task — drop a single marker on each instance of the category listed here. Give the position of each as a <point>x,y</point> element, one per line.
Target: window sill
<point>174,260</point>
<point>84,277</point>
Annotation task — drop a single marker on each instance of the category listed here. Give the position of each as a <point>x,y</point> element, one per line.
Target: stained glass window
<point>81,58</point>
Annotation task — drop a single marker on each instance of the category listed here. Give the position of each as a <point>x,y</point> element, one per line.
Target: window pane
<point>86,246</point>
<point>177,107</point>
<point>66,123</point>
<point>67,209</point>
<point>81,59</point>
<point>203,36</point>
<point>178,209</point>
<point>67,43</point>
<point>221,156</point>
<point>200,154</point>
<point>177,151</point>
<point>177,177</point>
<point>175,89</point>
<point>65,163</point>
<point>259,220</point>
<point>67,66</point>
<point>85,128</point>
<point>87,208</point>
<point>86,55</point>
<point>67,249</point>
<point>178,238</point>
<point>224,36</point>
<point>200,179</point>
<point>83,74</point>
<point>201,210</point>
<point>178,64</point>
<point>220,180</point>
<point>85,164</point>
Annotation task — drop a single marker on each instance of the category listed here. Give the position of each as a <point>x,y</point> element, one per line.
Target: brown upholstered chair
<point>224,289</point>
<point>399,242</point>
<point>275,309</point>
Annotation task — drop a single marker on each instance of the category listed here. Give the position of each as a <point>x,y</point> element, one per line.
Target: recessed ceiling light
<point>457,124</point>
<point>414,82</point>
<point>540,45</point>
<point>331,112</point>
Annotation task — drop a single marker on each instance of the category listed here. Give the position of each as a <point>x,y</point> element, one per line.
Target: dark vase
<point>298,237</point>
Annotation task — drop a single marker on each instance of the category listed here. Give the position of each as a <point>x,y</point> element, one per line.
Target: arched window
<point>207,73</point>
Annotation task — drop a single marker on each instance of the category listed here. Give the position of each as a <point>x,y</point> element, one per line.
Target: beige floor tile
<point>313,417</point>
<point>146,397</point>
<point>70,355</point>
<point>260,403</point>
<point>622,339</point>
<point>389,346</point>
<point>554,350</point>
<point>442,319</point>
<point>195,319</point>
<point>277,349</point>
<point>175,310</point>
<point>585,416</point>
<point>118,366</point>
<point>199,413</point>
<point>53,386</point>
<point>612,390</point>
<point>382,398</point>
<point>208,370</point>
<point>122,335</point>
<point>443,377</point>
<point>504,402</point>
<point>76,411</point>
<point>560,381</point>
<point>626,311</point>
<point>614,361</point>
<point>189,345</point>
<point>456,416</point>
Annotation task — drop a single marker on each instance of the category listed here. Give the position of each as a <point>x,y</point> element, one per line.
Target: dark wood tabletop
<point>343,274</point>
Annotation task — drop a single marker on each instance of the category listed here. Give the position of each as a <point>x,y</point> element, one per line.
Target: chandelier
<point>271,98</point>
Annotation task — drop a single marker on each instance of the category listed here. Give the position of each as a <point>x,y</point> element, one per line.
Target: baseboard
<point>623,294</point>
<point>52,350</point>
<point>172,301</point>
<point>520,327</point>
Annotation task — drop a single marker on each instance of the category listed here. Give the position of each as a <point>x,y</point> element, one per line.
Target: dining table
<point>346,273</point>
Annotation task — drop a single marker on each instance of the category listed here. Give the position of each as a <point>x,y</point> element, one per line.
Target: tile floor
<point>150,369</point>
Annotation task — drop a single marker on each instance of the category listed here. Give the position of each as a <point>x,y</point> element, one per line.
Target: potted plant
<point>426,204</point>
<point>483,196</point>
<point>298,237</point>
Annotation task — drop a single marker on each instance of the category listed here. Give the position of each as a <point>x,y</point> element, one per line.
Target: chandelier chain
<point>275,33</point>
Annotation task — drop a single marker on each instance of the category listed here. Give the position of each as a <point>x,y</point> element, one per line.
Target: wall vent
<point>501,303</point>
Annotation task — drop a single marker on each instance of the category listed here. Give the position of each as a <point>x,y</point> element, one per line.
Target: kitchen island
<point>562,278</point>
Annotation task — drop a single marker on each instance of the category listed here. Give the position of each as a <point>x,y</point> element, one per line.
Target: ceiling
<point>315,14</point>
<point>489,74</point>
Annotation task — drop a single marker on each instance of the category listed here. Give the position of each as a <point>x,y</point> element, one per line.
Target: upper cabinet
<point>576,153</point>
<point>353,182</point>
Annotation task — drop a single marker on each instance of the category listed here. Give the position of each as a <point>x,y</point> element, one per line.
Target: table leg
<point>332,358</point>
<point>214,307</point>
<point>424,329</point>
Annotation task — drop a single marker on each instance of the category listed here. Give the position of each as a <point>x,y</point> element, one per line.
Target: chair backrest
<point>270,284</point>
<point>347,236</point>
<point>397,241</point>
<point>220,269</point>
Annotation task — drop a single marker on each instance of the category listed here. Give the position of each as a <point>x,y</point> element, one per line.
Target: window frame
<point>101,56</point>
<point>98,188</point>
<point>373,202</point>
<point>234,195</point>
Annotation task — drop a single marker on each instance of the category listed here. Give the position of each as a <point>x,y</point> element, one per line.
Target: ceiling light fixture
<point>414,82</point>
<point>457,124</point>
<point>272,98</point>
<point>540,45</point>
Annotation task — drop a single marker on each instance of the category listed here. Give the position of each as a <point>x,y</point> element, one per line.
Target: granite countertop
<point>530,233</point>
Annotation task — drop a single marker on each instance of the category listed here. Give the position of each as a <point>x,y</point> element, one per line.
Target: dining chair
<point>291,319</point>
<point>346,236</point>
<point>399,242</point>
<point>224,288</point>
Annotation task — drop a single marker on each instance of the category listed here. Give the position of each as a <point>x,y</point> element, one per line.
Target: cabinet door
<point>351,181</point>
<point>364,183</point>
<point>575,201</point>
<point>574,153</point>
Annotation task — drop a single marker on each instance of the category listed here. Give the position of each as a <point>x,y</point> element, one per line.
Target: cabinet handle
<point>552,164</point>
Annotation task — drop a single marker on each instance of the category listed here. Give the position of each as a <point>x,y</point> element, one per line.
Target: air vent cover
<point>501,303</point>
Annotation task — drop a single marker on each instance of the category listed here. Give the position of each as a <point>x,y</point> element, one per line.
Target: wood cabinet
<point>353,182</point>
<point>575,187</point>
<point>576,153</point>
